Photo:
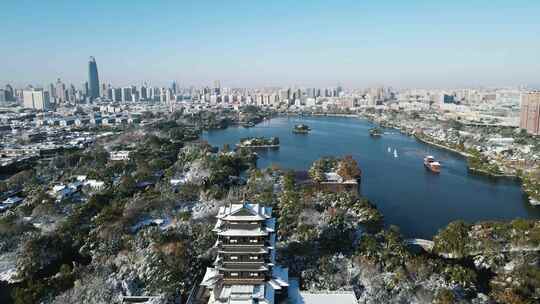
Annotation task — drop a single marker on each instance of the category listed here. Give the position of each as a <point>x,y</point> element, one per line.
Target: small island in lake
<point>248,124</point>
<point>301,129</point>
<point>259,142</point>
<point>375,132</point>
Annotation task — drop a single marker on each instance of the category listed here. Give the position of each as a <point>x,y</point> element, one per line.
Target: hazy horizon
<point>259,44</point>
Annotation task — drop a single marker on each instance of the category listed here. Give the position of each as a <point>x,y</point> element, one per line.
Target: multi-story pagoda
<point>244,270</point>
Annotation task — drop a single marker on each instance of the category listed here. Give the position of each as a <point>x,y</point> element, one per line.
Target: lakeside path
<point>441,146</point>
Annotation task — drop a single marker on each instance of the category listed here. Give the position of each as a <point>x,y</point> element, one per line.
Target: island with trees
<point>336,174</point>
<point>259,143</point>
<point>301,129</point>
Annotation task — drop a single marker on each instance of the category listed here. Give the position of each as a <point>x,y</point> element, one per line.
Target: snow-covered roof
<point>244,212</point>
<point>57,188</point>
<point>243,232</point>
<point>12,200</point>
<point>330,297</point>
<point>210,277</point>
<point>333,176</point>
<point>246,268</point>
<point>240,294</point>
<point>301,297</point>
<point>281,275</point>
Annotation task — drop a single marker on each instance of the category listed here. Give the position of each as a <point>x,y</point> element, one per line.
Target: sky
<point>254,43</point>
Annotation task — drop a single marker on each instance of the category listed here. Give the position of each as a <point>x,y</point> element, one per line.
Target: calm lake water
<point>409,196</point>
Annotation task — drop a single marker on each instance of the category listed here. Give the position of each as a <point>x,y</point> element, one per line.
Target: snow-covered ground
<point>8,267</point>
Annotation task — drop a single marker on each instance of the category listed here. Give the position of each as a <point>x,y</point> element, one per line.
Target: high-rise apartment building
<point>93,79</point>
<point>60,91</point>
<point>10,93</point>
<point>104,90</point>
<point>72,93</point>
<point>3,95</point>
<point>86,90</point>
<point>144,93</point>
<point>530,113</point>
<point>37,99</point>
<point>126,94</point>
<point>117,94</point>
<point>52,91</point>
<point>217,87</point>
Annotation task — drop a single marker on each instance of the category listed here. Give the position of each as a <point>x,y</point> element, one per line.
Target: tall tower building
<point>245,269</point>
<point>530,113</point>
<point>93,79</point>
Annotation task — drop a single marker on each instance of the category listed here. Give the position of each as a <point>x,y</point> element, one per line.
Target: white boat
<point>431,164</point>
<point>395,153</point>
<point>389,150</point>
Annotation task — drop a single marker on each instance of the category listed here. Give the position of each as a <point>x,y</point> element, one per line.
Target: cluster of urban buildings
<point>38,112</point>
<point>496,102</point>
<point>326,99</point>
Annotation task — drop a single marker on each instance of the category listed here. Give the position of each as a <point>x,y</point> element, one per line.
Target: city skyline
<point>411,44</point>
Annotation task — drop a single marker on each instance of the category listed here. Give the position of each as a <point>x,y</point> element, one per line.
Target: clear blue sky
<point>403,43</point>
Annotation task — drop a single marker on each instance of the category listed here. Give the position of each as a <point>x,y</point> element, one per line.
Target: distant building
<point>217,87</point>
<point>530,113</point>
<point>60,91</point>
<point>116,94</point>
<point>3,95</point>
<point>36,99</point>
<point>144,93</point>
<point>127,94</point>
<point>104,90</point>
<point>119,155</point>
<point>10,93</point>
<point>93,79</point>
<point>445,98</point>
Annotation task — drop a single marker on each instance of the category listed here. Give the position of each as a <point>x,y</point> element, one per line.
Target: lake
<point>408,195</point>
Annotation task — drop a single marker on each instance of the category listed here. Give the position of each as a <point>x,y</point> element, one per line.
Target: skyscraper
<point>93,79</point>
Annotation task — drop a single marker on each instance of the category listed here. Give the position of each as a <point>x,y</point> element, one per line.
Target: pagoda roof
<point>243,232</point>
<point>246,268</point>
<point>210,277</point>
<point>244,212</point>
